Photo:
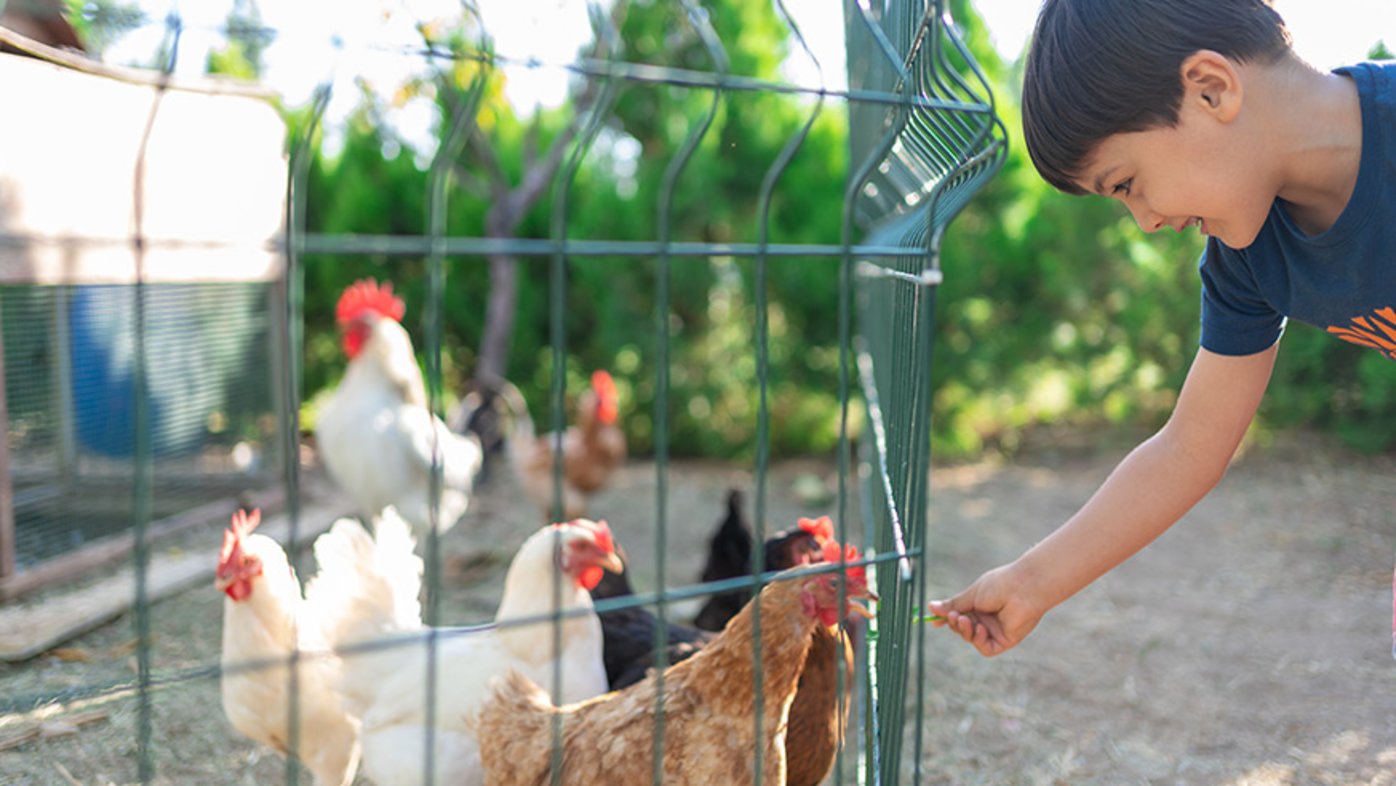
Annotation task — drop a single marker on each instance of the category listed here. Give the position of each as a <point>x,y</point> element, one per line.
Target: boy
<point>1198,113</point>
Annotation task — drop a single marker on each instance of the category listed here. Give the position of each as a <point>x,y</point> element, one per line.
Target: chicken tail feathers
<point>493,412</point>
<point>398,568</point>
<point>366,586</point>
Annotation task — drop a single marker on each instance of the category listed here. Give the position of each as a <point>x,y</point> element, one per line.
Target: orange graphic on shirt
<point>1377,331</point>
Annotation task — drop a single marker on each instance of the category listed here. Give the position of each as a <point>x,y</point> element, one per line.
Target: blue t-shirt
<point>1342,280</point>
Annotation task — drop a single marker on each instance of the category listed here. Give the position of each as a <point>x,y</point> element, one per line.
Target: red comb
<point>241,526</point>
<point>607,405</point>
<point>832,552</point>
<point>858,572</point>
<point>603,536</point>
<point>366,295</point>
<point>230,544</point>
<point>244,522</point>
<point>821,528</point>
<point>600,532</point>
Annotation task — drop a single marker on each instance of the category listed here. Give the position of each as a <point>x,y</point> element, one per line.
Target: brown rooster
<point>709,736</point>
<point>817,718</point>
<point>592,449</point>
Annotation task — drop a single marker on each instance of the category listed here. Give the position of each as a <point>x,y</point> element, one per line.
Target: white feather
<point>392,684</point>
<point>377,438</point>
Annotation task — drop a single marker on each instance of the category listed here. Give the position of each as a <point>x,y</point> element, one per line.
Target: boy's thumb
<point>939,610</point>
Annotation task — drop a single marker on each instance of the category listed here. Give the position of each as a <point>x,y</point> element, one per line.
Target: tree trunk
<point>490,367</point>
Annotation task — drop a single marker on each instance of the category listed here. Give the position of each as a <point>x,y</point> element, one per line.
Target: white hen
<point>386,686</point>
<point>264,622</point>
<point>375,433</point>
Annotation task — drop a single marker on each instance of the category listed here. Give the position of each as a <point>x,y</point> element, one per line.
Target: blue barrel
<point>196,340</point>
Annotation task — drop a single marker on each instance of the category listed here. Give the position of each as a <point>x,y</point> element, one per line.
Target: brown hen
<point>592,449</point>
<point>709,700</point>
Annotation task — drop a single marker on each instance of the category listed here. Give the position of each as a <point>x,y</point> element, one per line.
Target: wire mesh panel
<point>82,299</point>
<point>69,395</point>
<point>921,159</point>
<point>679,89</point>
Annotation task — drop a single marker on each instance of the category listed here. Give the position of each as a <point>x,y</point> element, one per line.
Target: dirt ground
<point>1248,647</point>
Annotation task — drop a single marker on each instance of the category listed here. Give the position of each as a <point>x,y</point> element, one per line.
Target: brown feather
<point>709,734</point>
<point>818,719</point>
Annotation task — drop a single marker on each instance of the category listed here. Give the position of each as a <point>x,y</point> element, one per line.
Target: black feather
<point>628,634</point>
<point>729,556</point>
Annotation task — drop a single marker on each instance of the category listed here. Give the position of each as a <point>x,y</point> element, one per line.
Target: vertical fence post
<point>7,492</point>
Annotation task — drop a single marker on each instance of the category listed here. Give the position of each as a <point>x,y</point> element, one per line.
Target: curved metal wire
<point>143,463</point>
<point>461,122</point>
<point>606,38</point>
<point>293,294</point>
<point>698,19</point>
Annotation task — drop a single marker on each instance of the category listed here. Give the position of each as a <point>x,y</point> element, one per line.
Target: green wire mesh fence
<point>918,162</point>
<point>924,138</point>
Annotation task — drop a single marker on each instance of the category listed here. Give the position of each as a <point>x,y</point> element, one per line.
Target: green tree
<point>247,38</point>
<point>100,23</point>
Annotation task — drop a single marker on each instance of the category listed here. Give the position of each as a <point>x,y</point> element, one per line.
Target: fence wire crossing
<point>924,138</point>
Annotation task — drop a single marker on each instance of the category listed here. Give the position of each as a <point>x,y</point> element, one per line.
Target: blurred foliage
<point>100,23</point>
<point>1054,308</point>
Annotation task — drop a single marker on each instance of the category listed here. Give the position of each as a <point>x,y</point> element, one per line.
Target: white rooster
<point>386,686</point>
<point>265,620</point>
<point>375,433</point>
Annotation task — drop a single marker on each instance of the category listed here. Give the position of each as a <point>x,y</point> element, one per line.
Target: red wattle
<point>590,577</point>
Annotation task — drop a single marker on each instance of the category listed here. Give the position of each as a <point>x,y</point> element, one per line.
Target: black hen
<point>627,634</point>
<point>729,556</point>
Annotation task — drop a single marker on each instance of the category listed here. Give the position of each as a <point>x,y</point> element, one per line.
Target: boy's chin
<point>1231,239</point>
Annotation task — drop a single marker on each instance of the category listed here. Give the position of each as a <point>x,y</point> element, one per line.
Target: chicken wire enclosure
<point>176,328</point>
<point>69,398</point>
<point>923,139</point>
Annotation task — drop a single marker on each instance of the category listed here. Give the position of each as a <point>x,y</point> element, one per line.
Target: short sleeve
<point>1236,319</point>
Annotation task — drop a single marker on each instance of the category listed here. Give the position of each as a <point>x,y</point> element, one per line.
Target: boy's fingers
<point>959,603</point>
<point>984,634</point>
<point>994,640</point>
<point>964,625</point>
<point>937,608</point>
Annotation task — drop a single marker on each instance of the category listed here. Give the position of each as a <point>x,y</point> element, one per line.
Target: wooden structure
<point>118,177</point>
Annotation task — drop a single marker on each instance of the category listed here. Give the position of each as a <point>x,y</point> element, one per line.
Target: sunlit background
<point>318,40</point>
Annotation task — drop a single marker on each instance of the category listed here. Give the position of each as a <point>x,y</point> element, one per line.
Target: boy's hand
<point>989,613</point>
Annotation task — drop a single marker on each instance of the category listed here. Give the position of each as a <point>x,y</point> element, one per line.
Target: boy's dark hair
<point>1097,68</point>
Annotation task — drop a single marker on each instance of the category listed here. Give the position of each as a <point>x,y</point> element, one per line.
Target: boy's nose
<point>1148,220</point>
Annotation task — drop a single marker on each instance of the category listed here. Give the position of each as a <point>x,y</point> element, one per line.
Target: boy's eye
<point>1122,188</point>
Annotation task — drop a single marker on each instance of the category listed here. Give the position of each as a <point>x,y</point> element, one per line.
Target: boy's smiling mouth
<point>1195,221</point>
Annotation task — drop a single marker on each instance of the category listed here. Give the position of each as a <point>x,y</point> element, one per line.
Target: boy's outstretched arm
<point>1151,489</point>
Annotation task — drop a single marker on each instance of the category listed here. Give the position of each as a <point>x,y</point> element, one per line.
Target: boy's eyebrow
<point>1099,183</point>
<point>1102,176</point>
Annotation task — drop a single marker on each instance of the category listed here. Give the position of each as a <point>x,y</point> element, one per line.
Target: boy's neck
<point>1317,118</point>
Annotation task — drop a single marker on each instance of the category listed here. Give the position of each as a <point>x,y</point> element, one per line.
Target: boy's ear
<point>1212,84</point>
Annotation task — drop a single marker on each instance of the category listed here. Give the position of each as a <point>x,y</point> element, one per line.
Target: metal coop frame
<point>201,280</point>
<point>924,139</point>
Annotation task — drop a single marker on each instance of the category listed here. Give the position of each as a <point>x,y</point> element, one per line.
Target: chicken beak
<point>861,610</point>
<point>612,563</point>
